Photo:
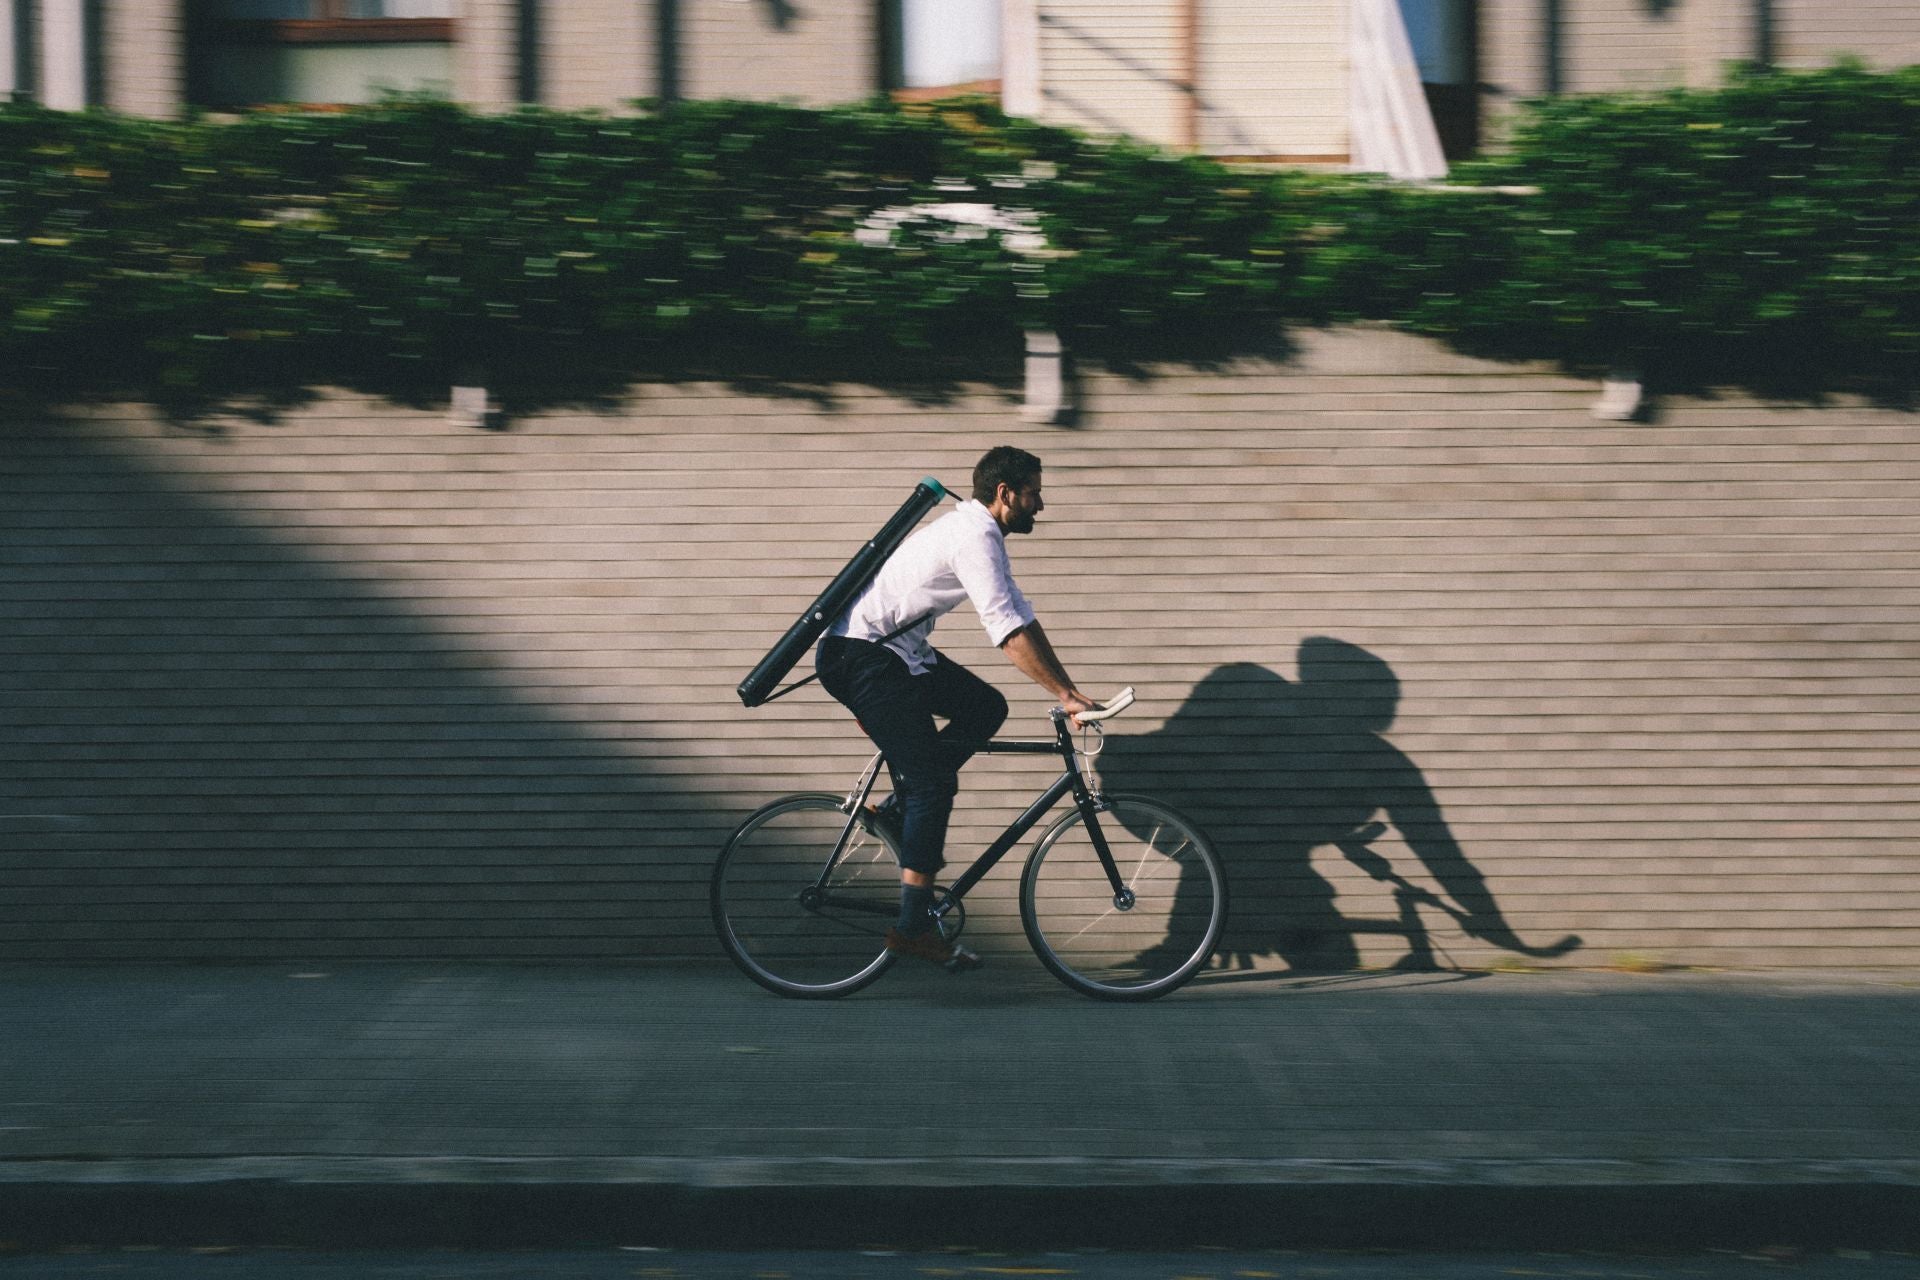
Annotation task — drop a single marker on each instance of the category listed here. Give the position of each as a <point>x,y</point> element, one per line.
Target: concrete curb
<point>452,1202</point>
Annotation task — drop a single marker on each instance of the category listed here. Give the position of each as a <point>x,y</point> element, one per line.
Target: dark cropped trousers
<point>896,709</point>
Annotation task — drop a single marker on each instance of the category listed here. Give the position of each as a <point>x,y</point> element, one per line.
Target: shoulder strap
<point>797,684</point>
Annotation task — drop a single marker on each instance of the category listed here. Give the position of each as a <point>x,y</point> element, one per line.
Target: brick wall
<point>362,684</point>
<point>1113,68</point>
<point>487,56</point>
<point>1274,82</point>
<point>602,54</point>
<point>818,54</point>
<point>1812,33</point>
<point>597,53</point>
<point>1608,46</point>
<point>144,58</point>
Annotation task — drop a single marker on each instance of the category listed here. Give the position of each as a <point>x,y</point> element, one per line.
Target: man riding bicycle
<point>895,682</point>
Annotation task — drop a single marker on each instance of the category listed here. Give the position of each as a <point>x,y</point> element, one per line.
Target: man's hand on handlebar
<point>1083,711</point>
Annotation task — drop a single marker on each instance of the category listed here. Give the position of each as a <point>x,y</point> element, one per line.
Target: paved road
<point>788,1265</point>
<point>527,1105</point>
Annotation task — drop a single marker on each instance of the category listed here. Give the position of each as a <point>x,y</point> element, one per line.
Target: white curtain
<point>949,41</point>
<point>1392,126</point>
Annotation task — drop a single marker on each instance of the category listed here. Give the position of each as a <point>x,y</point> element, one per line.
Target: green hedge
<point>394,247</point>
<point>1757,234</point>
<point>1760,235</point>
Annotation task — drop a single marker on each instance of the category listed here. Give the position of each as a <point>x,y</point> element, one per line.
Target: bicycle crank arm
<point>814,899</point>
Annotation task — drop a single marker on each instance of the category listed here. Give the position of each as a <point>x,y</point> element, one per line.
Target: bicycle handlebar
<point>1110,708</point>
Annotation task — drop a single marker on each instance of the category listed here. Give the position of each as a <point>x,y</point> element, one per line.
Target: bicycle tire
<point>835,945</point>
<point>1142,951</point>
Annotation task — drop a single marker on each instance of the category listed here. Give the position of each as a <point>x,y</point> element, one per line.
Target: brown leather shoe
<point>934,949</point>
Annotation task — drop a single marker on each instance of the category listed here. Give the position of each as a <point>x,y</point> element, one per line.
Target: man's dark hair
<point>1003,464</point>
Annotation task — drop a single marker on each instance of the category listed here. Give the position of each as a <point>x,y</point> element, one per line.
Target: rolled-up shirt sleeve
<point>987,575</point>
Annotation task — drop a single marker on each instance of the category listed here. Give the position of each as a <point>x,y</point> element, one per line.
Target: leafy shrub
<point>396,246</point>
<point>1757,234</point>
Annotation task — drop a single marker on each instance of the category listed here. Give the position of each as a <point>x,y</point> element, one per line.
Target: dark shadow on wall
<point>1274,771</point>
<point>521,382</point>
<point>1117,61</point>
<point>213,746</point>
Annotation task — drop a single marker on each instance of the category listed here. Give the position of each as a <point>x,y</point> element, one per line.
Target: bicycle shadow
<point>1274,770</point>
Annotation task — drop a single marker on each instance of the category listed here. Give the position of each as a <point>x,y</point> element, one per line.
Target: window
<point>253,52</point>
<point>338,21</point>
<point>1444,35</point>
<point>943,47</point>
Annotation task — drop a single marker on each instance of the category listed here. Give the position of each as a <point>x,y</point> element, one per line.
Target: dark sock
<point>915,902</point>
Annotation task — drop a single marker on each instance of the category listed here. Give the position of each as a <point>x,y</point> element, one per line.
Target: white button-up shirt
<point>960,556</point>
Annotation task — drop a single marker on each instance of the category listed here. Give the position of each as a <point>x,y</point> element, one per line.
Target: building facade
<point>166,56</point>
<point>1303,81</point>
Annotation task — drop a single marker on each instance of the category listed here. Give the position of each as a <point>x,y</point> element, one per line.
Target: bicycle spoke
<point>1091,923</point>
<point>1134,884</point>
<point>1167,859</point>
<point>1153,944</point>
<point>1146,851</point>
<point>781,902</point>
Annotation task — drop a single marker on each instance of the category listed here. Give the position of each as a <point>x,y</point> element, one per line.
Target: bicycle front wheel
<point>1147,939</point>
<point>792,925</point>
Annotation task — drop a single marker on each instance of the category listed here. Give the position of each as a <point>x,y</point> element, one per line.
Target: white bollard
<point>468,407</point>
<point>1620,397</point>
<point>1046,391</point>
<point>63,54</point>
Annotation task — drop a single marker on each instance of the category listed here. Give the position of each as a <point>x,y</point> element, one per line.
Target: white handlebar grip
<point>1114,706</point>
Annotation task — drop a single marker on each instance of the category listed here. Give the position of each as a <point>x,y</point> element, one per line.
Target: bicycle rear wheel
<point>789,925</point>
<point>1159,932</point>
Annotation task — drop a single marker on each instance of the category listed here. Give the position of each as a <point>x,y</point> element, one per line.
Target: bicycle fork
<point>1091,806</point>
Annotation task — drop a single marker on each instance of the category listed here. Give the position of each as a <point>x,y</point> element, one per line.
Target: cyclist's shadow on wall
<point>1274,771</point>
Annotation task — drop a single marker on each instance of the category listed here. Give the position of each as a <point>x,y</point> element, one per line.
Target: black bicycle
<point>1122,899</point>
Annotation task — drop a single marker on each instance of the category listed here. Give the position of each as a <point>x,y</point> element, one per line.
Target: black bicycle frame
<point>1070,780</point>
